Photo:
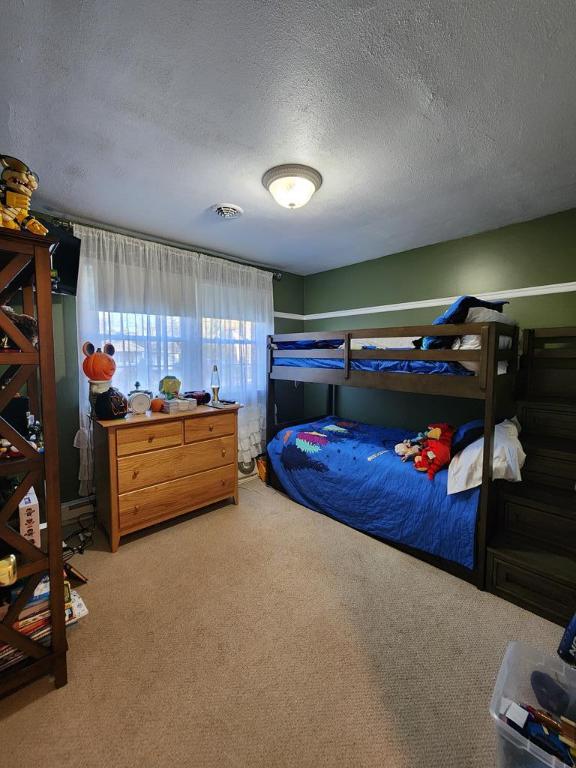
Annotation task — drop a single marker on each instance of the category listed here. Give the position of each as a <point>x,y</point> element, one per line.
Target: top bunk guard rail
<point>475,387</point>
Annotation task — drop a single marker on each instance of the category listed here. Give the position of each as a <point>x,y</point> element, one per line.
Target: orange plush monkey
<point>435,451</point>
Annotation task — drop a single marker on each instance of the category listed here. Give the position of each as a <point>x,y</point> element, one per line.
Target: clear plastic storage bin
<point>513,682</point>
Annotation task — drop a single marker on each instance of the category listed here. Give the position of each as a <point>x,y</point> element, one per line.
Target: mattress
<point>438,367</point>
<point>349,470</point>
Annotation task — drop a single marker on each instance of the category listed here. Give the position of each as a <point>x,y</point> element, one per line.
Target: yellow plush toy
<point>17,183</point>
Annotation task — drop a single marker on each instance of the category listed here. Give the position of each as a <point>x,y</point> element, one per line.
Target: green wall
<point>288,297</point>
<point>534,253</point>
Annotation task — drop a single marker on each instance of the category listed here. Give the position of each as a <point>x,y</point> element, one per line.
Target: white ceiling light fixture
<point>292,185</point>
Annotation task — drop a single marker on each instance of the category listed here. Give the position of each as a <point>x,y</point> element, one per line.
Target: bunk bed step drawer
<point>557,473</point>
<point>554,531</point>
<point>530,590</point>
<point>549,419</point>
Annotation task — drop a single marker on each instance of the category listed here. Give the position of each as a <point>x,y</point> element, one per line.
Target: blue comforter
<point>349,471</point>
<point>438,367</point>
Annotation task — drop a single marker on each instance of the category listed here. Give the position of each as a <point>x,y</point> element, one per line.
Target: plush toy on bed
<point>407,449</point>
<point>435,451</point>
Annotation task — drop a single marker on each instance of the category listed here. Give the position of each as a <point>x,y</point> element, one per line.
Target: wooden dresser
<point>154,467</point>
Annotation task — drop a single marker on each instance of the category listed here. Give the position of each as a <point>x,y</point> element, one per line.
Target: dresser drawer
<point>148,437</point>
<point>159,502</point>
<point>141,470</point>
<point>209,426</point>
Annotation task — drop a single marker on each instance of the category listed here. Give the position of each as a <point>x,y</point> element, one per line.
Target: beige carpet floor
<point>268,635</point>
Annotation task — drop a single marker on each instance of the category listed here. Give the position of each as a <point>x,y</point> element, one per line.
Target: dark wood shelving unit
<point>25,279</point>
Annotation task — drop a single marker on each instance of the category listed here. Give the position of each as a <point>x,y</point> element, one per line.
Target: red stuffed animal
<point>435,451</point>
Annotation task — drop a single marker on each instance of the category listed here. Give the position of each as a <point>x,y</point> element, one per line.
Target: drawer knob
<point>135,474</point>
<point>223,482</point>
<point>211,428</point>
<point>151,438</point>
<point>223,451</point>
<point>136,509</point>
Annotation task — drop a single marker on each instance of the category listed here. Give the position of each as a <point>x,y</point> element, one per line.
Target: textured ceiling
<point>428,119</point>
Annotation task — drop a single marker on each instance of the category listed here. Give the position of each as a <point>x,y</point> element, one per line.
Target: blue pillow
<point>310,344</point>
<point>456,313</point>
<point>467,434</point>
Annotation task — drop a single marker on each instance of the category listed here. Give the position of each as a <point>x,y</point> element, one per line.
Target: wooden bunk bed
<point>495,389</point>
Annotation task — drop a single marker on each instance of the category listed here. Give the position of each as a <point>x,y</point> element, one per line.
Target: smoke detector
<point>227,210</point>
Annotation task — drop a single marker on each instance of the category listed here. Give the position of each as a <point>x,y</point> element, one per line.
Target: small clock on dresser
<point>139,400</point>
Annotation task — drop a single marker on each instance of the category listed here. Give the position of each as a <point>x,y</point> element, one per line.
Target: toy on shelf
<point>26,324</point>
<point>98,365</point>
<point>8,570</point>
<point>33,436</point>
<point>17,183</point>
<point>110,404</point>
<point>169,386</point>
<point>99,368</point>
<point>156,404</point>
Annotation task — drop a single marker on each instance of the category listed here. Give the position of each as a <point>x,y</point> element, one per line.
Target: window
<point>153,345</point>
<point>232,342</point>
<point>149,347</point>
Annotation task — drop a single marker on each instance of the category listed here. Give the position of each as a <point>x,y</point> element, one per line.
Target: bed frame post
<point>347,355</point>
<point>488,373</point>
<point>270,410</point>
<point>332,406</point>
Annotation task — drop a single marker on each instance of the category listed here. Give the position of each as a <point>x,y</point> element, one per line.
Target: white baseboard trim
<point>512,293</point>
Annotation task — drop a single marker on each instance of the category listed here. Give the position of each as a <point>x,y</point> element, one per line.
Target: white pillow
<point>472,341</point>
<point>465,470</point>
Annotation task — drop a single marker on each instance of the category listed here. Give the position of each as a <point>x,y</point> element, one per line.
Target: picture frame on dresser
<point>154,467</point>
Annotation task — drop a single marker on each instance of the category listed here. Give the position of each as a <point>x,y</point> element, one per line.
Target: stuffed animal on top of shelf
<point>435,450</point>
<point>17,183</point>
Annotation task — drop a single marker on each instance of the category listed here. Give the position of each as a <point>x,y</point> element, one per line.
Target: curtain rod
<point>67,221</point>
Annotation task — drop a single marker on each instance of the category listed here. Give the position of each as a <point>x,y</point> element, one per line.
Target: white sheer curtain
<point>170,311</point>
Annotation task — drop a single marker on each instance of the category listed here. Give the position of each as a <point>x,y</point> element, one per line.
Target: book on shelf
<point>34,619</point>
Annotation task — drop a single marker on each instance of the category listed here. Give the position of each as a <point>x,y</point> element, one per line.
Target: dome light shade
<point>292,186</point>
